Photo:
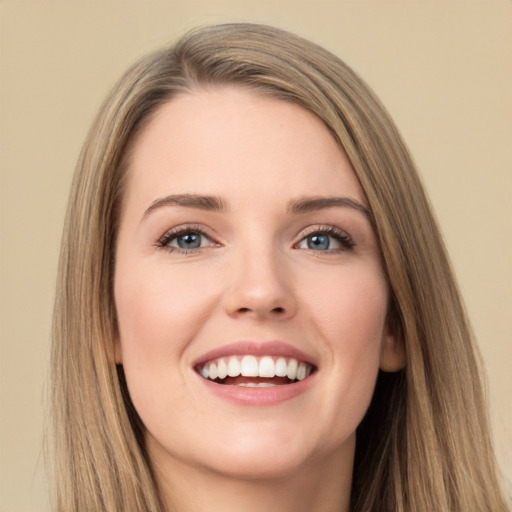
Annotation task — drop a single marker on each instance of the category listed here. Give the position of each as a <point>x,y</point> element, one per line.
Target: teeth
<point>281,367</point>
<point>213,373</point>
<point>292,369</point>
<point>301,371</point>
<point>234,366</point>
<point>267,367</point>
<point>249,366</point>
<point>222,368</point>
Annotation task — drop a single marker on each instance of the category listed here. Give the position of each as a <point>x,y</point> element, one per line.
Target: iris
<point>318,242</point>
<point>189,241</point>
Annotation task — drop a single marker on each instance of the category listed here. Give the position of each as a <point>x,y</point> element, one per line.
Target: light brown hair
<point>424,444</point>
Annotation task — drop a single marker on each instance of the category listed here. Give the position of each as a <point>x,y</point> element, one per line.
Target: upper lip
<point>265,348</point>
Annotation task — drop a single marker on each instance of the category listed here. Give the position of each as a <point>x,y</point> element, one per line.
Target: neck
<point>322,486</point>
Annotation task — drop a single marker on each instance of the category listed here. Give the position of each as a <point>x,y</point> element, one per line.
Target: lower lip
<point>242,395</point>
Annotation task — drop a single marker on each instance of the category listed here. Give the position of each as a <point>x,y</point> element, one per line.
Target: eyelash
<point>339,235</point>
<point>169,236</point>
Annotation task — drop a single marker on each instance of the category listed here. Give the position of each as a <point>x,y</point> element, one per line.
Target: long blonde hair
<point>424,444</point>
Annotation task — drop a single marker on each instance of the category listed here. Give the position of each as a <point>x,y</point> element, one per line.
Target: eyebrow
<point>209,203</point>
<point>217,204</point>
<point>311,204</point>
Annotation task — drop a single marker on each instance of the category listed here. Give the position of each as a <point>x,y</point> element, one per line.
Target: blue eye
<point>187,241</point>
<point>324,240</point>
<point>184,240</point>
<point>318,242</point>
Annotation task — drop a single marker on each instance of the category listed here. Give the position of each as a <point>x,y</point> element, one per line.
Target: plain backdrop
<point>443,69</point>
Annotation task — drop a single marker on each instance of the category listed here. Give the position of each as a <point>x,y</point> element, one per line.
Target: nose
<point>260,287</point>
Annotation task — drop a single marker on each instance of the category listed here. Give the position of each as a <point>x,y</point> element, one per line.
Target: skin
<point>254,278</point>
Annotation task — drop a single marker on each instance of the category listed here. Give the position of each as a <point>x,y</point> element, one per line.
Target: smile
<point>252,371</point>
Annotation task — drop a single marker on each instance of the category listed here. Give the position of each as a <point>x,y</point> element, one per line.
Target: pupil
<point>189,241</point>
<point>318,242</point>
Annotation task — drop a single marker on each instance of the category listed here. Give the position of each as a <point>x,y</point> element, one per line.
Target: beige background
<point>444,69</point>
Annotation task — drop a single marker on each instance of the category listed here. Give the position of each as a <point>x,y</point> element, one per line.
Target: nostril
<point>278,310</point>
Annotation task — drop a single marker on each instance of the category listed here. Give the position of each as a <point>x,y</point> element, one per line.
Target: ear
<point>392,354</point>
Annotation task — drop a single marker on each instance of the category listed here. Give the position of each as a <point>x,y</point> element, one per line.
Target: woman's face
<point>250,294</point>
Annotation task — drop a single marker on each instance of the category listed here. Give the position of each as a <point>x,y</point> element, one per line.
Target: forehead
<point>236,142</point>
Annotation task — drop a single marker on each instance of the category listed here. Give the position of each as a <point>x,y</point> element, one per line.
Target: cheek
<point>158,310</point>
<point>351,309</point>
<point>351,320</point>
<point>359,328</point>
<point>158,313</point>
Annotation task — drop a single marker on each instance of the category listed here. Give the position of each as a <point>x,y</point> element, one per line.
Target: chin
<point>259,465</point>
<point>248,456</point>
<point>264,453</point>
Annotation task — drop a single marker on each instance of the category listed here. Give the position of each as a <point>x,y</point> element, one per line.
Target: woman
<point>251,278</point>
